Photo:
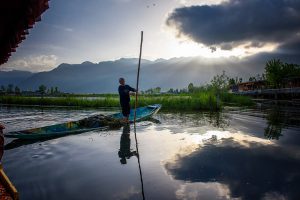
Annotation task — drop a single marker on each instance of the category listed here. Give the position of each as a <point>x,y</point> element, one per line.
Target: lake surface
<point>236,154</point>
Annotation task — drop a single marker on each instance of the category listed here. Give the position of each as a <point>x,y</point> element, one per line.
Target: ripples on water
<point>241,154</point>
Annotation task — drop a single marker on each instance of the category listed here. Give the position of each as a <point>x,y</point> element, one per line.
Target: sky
<point>74,31</point>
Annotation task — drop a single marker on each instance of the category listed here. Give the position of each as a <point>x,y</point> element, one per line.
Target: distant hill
<point>13,77</point>
<point>103,77</point>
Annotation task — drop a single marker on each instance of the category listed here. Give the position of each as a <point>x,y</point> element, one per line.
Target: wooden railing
<point>270,91</point>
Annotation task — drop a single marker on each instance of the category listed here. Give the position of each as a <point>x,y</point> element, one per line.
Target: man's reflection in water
<point>125,152</point>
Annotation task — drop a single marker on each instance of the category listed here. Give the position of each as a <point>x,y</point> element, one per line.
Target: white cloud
<point>59,27</point>
<point>200,2</point>
<point>274,195</point>
<point>32,63</point>
<point>203,191</point>
<point>122,1</point>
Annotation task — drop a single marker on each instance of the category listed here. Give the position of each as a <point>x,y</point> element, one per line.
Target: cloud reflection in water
<point>252,171</point>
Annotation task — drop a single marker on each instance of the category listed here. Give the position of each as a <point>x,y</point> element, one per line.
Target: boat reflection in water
<point>194,155</point>
<point>125,144</point>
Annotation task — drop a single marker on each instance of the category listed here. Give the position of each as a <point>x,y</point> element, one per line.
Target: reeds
<point>205,100</point>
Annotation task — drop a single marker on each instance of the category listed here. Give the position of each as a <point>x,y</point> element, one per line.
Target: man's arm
<point>131,89</point>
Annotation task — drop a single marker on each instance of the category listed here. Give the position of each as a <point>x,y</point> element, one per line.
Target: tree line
<point>276,75</point>
<point>218,83</point>
<point>15,90</point>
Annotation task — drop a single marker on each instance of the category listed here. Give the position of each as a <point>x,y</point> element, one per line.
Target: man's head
<point>122,81</point>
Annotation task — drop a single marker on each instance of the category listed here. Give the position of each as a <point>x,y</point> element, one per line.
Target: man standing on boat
<point>124,92</point>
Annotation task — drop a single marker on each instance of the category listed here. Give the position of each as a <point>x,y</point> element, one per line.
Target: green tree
<point>220,82</point>
<point>277,71</point>
<point>56,90</point>
<point>290,70</point>
<point>231,81</point>
<point>3,89</point>
<point>252,78</point>
<point>171,90</point>
<point>191,88</point>
<point>258,77</point>
<point>42,89</point>
<point>273,71</point>
<point>17,90</point>
<point>157,90</point>
<point>10,88</point>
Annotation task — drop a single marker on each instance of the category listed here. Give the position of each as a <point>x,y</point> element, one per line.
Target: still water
<point>235,154</point>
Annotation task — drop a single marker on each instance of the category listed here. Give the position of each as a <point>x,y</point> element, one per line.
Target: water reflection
<point>218,120</point>
<point>254,172</point>
<point>195,122</point>
<point>21,142</point>
<point>279,118</point>
<point>208,156</point>
<point>275,125</point>
<point>243,165</point>
<point>125,145</point>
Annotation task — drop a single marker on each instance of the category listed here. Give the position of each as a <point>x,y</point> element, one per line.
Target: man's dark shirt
<point>124,94</point>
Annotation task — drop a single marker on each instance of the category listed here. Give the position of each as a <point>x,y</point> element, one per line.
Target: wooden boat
<point>142,113</point>
<point>88,124</point>
<point>7,189</point>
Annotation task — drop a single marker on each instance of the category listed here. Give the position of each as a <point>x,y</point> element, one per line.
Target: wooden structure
<point>7,189</point>
<point>16,17</point>
<point>252,85</point>
<point>259,89</point>
<point>291,82</point>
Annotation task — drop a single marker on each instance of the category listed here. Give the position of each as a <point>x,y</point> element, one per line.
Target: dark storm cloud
<point>288,52</point>
<point>238,21</point>
<point>250,173</point>
<point>291,47</point>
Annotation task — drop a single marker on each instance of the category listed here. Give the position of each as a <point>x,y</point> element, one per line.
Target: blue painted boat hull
<point>76,127</point>
<point>141,113</point>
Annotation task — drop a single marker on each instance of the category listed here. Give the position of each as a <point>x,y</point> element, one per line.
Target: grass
<point>199,101</point>
<point>236,100</point>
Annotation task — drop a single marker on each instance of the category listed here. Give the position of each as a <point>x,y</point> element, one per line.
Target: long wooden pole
<point>138,76</point>
<point>135,107</point>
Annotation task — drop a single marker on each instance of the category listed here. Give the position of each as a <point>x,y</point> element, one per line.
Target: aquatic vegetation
<point>206,100</point>
<point>237,100</point>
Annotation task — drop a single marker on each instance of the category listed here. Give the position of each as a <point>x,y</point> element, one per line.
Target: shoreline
<point>205,101</point>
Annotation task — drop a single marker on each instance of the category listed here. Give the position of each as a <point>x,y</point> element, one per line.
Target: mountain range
<point>102,77</point>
